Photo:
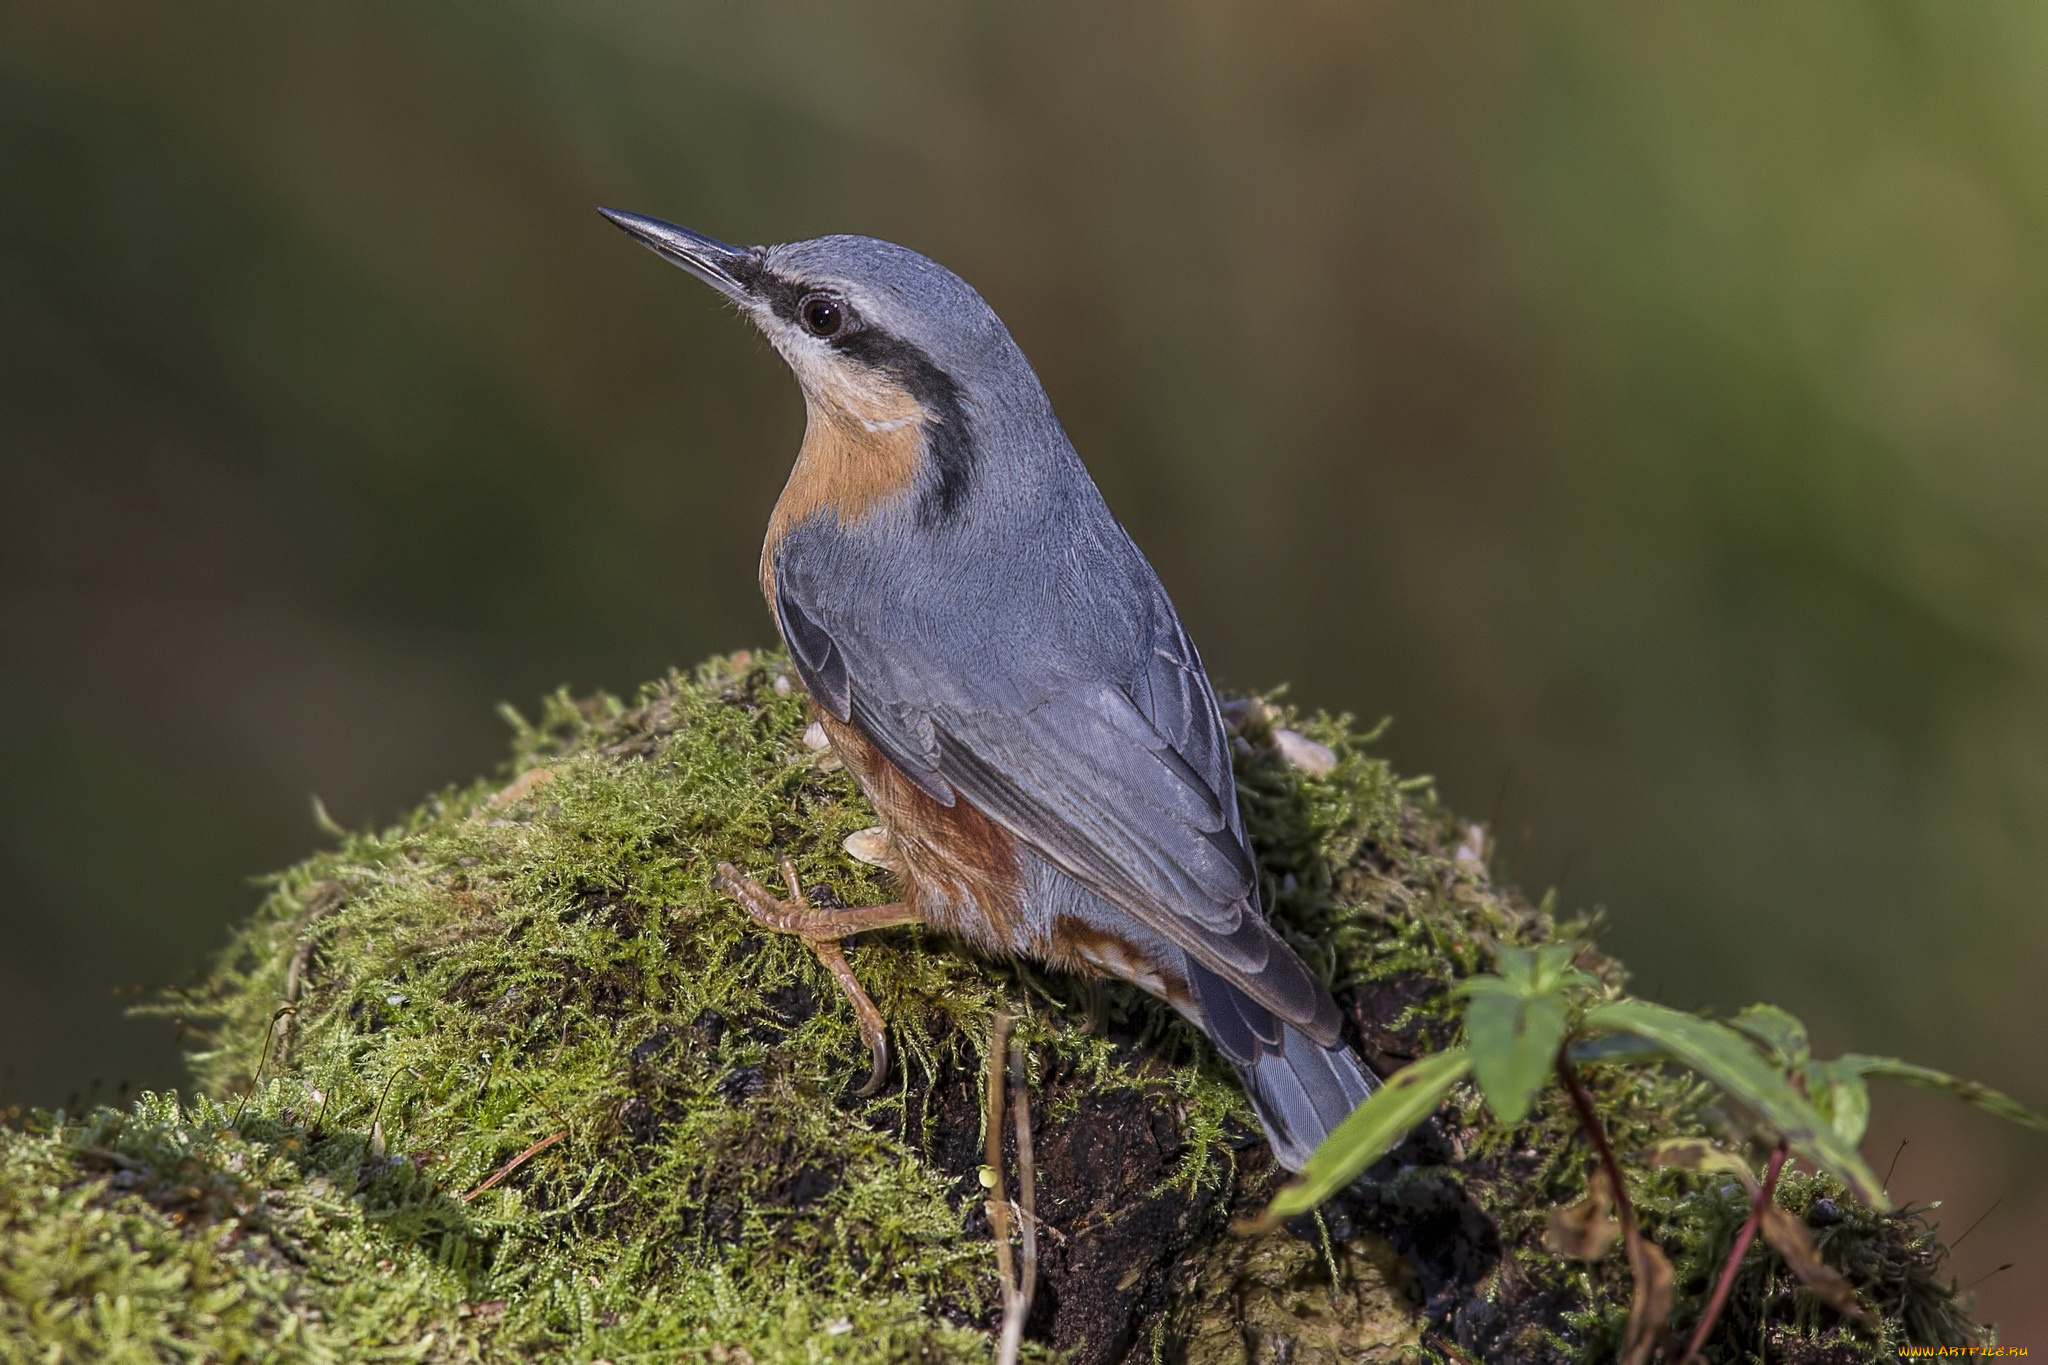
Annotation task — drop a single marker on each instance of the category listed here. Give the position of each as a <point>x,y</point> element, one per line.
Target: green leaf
<point>1552,968</point>
<point>1778,1031</point>
<point>1514,1045</point>
<point>1983,1096</point>
<point>1516,966</point>
<point>1727,1059</point>
<point>1615,1047</point>
<point>1516,1020</point>
<point>1500,986</point>
<point>1409,1096</point>
<point>1838,1092</point>
<point>1531,972</point>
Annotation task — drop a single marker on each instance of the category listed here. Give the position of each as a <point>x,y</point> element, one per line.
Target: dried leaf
<point>1585,1231</point>
<point>1697,1154</point>
<point>1650,1310</point>
<point>1245,713</point>
<point>1471,850</point>
<point>1790,1239</point>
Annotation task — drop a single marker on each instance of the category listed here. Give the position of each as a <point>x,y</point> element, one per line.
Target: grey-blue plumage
<point>985,623</point>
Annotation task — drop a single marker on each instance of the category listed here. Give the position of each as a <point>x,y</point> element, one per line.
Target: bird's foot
<point>822,929</point>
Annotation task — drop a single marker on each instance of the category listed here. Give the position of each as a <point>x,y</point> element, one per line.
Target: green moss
<point>547,955</point>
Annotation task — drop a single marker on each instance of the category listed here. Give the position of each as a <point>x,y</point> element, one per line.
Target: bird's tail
<point>1300,1088</point>
<point>1302,1091</point>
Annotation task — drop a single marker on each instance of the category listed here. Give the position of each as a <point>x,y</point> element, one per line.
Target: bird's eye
<point>823,315</point>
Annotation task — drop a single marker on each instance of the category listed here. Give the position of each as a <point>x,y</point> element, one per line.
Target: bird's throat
<point>863,440</point>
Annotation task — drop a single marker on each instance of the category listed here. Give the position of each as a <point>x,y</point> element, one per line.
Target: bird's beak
<point>728,269</point>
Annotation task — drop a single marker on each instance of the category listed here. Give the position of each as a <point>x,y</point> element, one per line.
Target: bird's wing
<point>1124,785</point>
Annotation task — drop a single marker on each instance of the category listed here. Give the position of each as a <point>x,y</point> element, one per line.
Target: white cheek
<point>806,356</point>
<point>893,424</point>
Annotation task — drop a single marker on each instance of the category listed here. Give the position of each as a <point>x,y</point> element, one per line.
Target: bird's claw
<point>792,916</point>
<point>796,916</point>
<point>879,1047</point>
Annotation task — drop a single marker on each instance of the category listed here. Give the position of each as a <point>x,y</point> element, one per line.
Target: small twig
<point>1726,1283</point>
<point>516,1162</point>
<point>112,1158</point>
<point>1012,1340</point>
<point>261,1061</point>
<point>295,975</point>
<point>1043,1226</point>
<point>992,1145</point>
<point>1020,1117</point>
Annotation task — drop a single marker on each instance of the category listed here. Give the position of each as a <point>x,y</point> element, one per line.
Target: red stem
<point>1590,1121</point>
<point>1742,1240</point>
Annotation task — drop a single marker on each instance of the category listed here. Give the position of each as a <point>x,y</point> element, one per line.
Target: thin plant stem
<point>1590,1121</point>
<point>1027,1176</point>
<point>261,1061</point>
<point>1012,1339</point>
<point>1979,1223</point>
<point>375,1146</point>
<point>1726,1284</point>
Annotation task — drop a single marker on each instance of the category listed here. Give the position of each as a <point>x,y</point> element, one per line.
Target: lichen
<point>539,967</point>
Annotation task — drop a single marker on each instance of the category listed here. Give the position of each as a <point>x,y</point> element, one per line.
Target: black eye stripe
<point>786,299</point>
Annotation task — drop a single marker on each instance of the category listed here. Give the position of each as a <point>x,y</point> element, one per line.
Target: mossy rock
<point>540,967</point>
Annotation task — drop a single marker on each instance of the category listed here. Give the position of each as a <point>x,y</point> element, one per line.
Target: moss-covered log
<point>540,1092</point>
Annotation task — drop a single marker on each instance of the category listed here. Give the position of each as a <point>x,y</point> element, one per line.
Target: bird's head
<point>896,355</point>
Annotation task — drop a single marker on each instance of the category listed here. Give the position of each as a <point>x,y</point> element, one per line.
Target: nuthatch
<point>1003,674</point>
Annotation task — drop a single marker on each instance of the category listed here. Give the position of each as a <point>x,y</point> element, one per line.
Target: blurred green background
<point>1647,407</point>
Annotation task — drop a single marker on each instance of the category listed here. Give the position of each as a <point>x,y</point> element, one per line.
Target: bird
<point>1000,669</point>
